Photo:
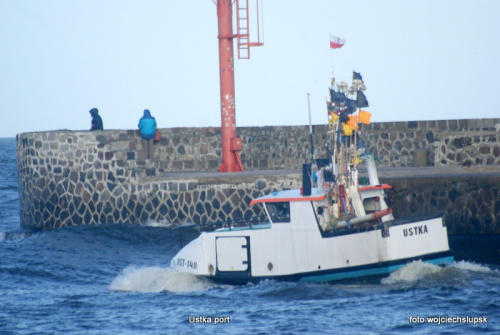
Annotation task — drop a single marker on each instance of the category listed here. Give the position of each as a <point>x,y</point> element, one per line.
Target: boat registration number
<point>184,263</point>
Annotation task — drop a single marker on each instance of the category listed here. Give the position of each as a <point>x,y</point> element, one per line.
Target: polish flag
<point>336,42</point>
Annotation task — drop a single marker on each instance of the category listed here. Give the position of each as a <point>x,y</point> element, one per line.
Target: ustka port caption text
<point>209,319</point>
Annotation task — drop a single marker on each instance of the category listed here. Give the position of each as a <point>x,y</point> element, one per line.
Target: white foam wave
<point>417,270</point>
<point>156,279</point>
<point>165,223</point>
<point>412,272</point>
<point>463,265</point>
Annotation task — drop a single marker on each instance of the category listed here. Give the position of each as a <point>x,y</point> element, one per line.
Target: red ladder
<point>243,29</point>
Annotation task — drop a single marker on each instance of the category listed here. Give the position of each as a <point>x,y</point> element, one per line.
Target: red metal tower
<point>231,145</point>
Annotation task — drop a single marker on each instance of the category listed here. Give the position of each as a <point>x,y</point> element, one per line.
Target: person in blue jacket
<point>96,120</point>
<point>147,125</point>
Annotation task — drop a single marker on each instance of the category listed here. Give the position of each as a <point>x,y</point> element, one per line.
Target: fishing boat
<point>338,226</point>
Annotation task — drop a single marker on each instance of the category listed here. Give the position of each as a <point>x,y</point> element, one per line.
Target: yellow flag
<point>334,116</point>
<point>364,117</point>
<point>346,129</point>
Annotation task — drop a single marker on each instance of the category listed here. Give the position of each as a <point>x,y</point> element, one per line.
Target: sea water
<point>116,279</point>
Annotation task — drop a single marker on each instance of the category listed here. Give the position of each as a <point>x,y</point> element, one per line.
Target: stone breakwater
<point>79,177</point>
<point>71,178</point>
<point>470,204</point>
<point>447,142</point>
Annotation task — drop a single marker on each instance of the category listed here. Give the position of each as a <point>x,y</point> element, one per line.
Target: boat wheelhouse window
<point>279,211</point>
<point>371,204</point>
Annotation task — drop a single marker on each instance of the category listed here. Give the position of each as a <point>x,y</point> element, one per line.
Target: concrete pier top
<point>437,171</point>
<point>383,172</point>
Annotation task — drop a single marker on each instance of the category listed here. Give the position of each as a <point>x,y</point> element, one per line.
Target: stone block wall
<point>448,142</point>
<point>471,205</point>
<point>83,177</point>
<point>199,149</point>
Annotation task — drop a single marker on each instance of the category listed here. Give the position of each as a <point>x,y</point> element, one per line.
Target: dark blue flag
<point>343,117</point>
<point>350,106</point>
<point>356,75</point>
<point>361,100</point>
<point>337,97</point>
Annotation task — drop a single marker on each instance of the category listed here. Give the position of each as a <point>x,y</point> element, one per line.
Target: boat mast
<point>310,127</point>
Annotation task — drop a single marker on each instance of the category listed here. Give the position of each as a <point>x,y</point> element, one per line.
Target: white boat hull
<point>297,252</point>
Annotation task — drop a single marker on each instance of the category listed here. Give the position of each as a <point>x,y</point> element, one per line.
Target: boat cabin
<point>291,207</point>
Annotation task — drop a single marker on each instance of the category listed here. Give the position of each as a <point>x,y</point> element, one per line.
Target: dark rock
<point>412,124</point>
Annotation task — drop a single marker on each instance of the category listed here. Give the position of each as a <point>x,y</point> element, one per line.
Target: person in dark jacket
<point>147,125</point>
<point>96,120</point>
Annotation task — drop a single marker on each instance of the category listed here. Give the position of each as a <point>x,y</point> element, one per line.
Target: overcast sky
<point>420,60</point>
